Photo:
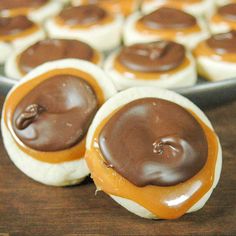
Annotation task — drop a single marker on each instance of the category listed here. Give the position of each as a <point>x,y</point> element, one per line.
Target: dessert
<point>23,61</point>
<point>161,63</point>
<point>65,2</point>
<point>193,7</point>
<point>121,7</point>
<point>165,23</point>
<point>154,152</point>
<point>224,2</point>
<point>46,117</point>
<point>216,56</point>
<point>17,32</point>
<point>89,23</point>
<point>224,19</point>
<point>36,10</point>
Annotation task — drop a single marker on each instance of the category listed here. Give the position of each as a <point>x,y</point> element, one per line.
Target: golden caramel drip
<point>22,34</point>
<point>164,202</point>
<point>166,33</point>
<point>204,50</point>
<point>74,153</point>
<point>118,6</point>
<point>218,19</point>
<point>148,76</point>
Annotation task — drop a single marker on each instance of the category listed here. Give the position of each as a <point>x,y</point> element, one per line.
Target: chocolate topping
<point>14,25</point>
<point>152,57</point>
<point>53,49</point>
<point>82,15</point>
<point>28,116</point>
<point>228,11</point>
<point>11,4</point>
<point>56,114</point>
<point>99,1</point>
<point>223,43</point>
<point>168,18</point>
<point>152,141</point>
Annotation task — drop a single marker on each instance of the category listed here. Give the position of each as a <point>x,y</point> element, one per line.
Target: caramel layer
<point>180,4</point>
<point>105,21</point>
<point>92,14</point>
<point>74,153</point>
<point>23,9</point>
<point>217,19</point>
<point>149,76</point>
<point>118,6</point>
<point>164,202</point>
<point>18,11</point>
<point>204,50</point>
<point>166,34</point>
<point>22,34</point>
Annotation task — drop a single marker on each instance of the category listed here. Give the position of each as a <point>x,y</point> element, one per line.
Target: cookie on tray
<point>89,23</point>
<point>162,63</point>
<point>17,32</point>
<point>165,23</point>
<point>216,57</point>
<point>21,62</point>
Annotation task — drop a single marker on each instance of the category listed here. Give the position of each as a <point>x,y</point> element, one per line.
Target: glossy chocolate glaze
<point>12,4</point>
<point>56,114</point>
<point>82,15</point>
<point>96,1</point>
<point>223,43</point>
<point>152,57</point>
<point>14,25</point>
<point>99,1</point>
<point>152,141</point>
<point>168,18</point>
<point>228,11</point>
<point>53,49</point>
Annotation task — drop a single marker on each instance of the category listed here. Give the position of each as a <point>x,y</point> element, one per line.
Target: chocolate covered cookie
<point>165,23</point>
<point>23,61</point>
<point>216,56</point>
<point>35,10</point>
<point>89,23</point>
<point>46,118</point>
<point>149,147</point>
<point>224,19</point>
<point>17,32</point>
<point>197,8</point>
<point>160,63</point>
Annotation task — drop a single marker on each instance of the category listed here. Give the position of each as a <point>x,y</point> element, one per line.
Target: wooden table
<point>29,208</point>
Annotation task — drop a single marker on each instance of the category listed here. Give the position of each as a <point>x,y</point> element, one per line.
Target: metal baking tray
<point>204,94</point>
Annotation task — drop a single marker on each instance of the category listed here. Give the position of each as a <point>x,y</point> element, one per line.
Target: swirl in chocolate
<point>223,43</point>
<point>12,4</point>
<point>157,56</point>
<point>14,25</point>
<point>228,11</point>
<point>56,114</point>
<point>82,15</point>
<point>53,49</point>
<point>168,18</point>
<point>152,141</point>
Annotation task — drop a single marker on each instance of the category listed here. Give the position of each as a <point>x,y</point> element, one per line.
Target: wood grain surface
<point>29,208</point>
